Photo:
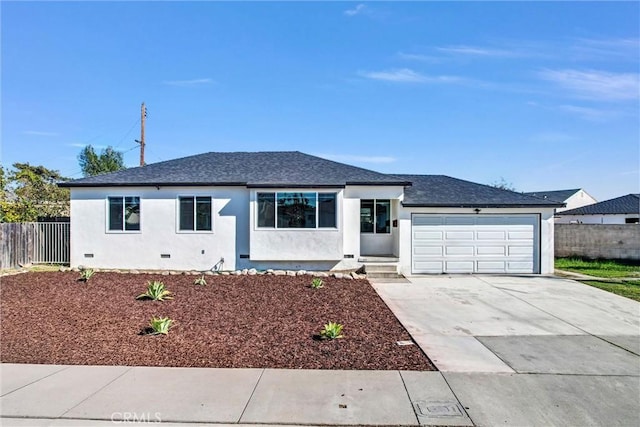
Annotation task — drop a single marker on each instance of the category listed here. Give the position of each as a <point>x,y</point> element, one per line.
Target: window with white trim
<point>194,213</point>
<point>124,213</point>
<point>296,210</point>
<point>375,216</point>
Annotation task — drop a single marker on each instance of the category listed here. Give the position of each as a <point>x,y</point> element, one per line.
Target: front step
<point>383,267</point>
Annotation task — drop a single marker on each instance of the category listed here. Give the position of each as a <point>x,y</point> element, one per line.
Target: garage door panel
<point>428,250</point>
<point>520,235</point>
<point>520,266</point>
<point>491,235</point>
<point>491,250</point>
<point>520,250</point>
<point>474,243</point>
<point>428,235</point>
<point>459,220</point>
<point>459,266</point>
<point>459,250</point>
<point>428,220</point>
<point>458,235</point>
<point>491,266</point>
<point>430,266</point>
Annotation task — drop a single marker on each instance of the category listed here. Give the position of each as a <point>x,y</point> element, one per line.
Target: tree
<point>503,184</point>
<point>109,160</point>
<point>29,192</point>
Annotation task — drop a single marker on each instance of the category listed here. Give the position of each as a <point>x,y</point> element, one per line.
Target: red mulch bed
<point>233,322</point>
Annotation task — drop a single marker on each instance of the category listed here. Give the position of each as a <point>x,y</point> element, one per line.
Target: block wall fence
<point>619,241</point>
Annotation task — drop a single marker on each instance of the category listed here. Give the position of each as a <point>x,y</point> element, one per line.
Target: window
<point>631,220</point>
<point>375,216</point>
<point>296,210</point>
<point>195,213</point>
<point>124,213</point>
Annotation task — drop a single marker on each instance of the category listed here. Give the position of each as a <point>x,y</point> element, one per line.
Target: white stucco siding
<point>268,244</point>
<point>546,257</point>
<point>577,200</point>
<point>371,243</point>
<point>159,230</point>
<point>595,219</point>
<point>305,244</point>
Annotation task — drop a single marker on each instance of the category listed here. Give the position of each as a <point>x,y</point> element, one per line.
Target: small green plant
<point>317,283</point>
<point>86,274</point>
<point>331,331</point>
<point>155,291</point>
<point>200,281</point>
<point>160,325</point>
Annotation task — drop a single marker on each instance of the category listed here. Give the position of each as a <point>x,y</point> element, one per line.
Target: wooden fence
<point>34,243</point>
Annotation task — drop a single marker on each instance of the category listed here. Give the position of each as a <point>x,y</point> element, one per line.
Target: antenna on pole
<point>143,116</point>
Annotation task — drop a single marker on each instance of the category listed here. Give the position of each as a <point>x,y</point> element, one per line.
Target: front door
<point>376,236</point>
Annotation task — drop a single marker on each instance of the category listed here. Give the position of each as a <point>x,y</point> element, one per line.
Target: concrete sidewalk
<point>52,395</point>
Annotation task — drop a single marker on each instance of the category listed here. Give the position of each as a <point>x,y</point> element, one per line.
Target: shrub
<point>317,283</point>
<point>155,291</point>
<point>86,274</point>
<point>331,331</point>
<point>160,325</point>
<point>200,281</point>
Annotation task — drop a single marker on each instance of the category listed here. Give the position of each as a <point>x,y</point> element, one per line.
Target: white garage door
<point>474,243</point>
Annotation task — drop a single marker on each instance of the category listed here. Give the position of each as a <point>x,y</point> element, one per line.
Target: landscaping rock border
<point>349,275</point>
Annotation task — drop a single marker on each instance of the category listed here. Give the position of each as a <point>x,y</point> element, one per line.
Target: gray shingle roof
<point>555,195</point>
<point>441,190</point>
<point>629,204</point>
<point>256,169</point>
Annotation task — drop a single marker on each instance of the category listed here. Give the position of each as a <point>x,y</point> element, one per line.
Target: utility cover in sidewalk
<point>438,408</point>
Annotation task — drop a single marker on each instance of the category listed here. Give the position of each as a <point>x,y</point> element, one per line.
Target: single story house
<point>572,199</point>
<point>621,210</point>
<point>290,210</point>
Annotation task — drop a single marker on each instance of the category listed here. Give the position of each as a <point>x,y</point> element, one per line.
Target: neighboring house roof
<point>555,195</point>
<point>256,169</point>
<point>441,190</point>
<point>629,204</point>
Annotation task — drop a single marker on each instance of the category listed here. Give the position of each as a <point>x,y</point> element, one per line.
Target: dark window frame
<point>128,205</point>
<point>373,215</point>
<point>194,224</point>
<point>269,202</point>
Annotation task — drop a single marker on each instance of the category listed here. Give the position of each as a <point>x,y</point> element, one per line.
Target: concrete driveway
<point>527,350</point>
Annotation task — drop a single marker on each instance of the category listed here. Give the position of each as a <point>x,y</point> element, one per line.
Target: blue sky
<point>544,94</point>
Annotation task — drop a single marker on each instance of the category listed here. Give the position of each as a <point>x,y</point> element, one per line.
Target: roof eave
<point>152,184</point>
<point>385,183</point>
<point>477,205</point>
<point>284,185</point>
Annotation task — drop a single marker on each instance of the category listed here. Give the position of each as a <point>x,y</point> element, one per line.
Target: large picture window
<point>124,214</point>
<point>296,210</point>
<point>375,216</point>
<point>195,213</point>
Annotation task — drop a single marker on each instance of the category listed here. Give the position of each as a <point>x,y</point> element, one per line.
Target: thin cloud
<point>356,10</point>
<point>625,49</point>
<point>477,51</point>
<point>39,133</point>
<point>419,57</point>
<point>588,113</point>
<point>597,85</point>
<point>358,159</point>
<point>81,145</point>
<point>406,75</point>
<point>186,83</point>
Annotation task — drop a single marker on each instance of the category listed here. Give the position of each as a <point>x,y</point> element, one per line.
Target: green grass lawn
<point>599,268</point>
<point>607,269</point>
<point>629,289</point>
